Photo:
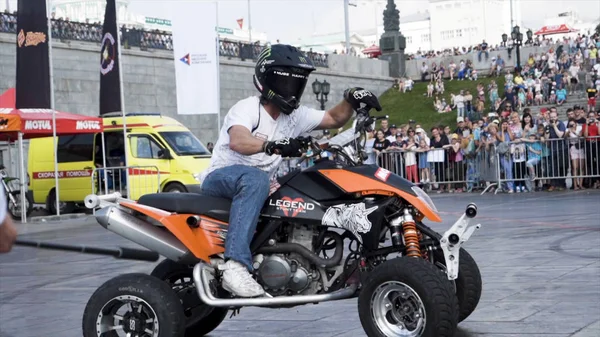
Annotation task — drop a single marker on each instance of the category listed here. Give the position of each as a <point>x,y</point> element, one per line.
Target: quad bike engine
<point>288,273</point>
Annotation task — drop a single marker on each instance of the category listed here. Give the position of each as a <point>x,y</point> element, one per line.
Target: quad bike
<point>13,195</point>
<point>336,230</point>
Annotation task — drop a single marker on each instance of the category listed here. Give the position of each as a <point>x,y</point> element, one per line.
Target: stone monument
<point>392,43</point>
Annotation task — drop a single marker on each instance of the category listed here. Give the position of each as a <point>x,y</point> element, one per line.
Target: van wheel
<point>175,188</point>
<point>65,207</point>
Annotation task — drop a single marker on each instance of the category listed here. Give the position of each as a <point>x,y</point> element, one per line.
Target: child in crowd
<point>552,98</point>
<point>430,89</point>
<point>410,160</point>
<point>534,154</point>
<point>423,164</point>
<point>529,98</point>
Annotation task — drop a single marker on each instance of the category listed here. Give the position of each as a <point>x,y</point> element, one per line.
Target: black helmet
<point>281,74</point>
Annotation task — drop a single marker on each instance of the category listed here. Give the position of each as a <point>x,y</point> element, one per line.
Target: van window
<point>75,148</point>
<point>144,147</point>
<point>184,143</point>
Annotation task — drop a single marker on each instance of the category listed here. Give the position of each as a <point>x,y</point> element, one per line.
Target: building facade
<point>445,24</point>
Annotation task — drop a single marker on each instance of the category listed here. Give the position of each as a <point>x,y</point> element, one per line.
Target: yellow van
<point>163,156</point>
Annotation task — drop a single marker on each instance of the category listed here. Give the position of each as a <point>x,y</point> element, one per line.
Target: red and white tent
<point>34,123</point>
<point>372,51</point>
<point>555,29</point>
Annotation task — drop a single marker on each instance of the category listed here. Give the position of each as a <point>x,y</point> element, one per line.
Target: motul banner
<point>195,50</point>
<point>110,88</point>
<point>33,64</point>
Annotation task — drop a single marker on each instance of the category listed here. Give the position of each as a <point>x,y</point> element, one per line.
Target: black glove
<point>356,96</point>
<point>286,147</point>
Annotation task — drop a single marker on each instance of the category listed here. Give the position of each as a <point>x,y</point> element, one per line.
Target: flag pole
<point>51,72</point>
<point>218,73</point>
<point>125,142</point>
<point>249,24</point>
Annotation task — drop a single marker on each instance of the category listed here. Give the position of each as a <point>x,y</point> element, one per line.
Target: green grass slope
<point>402,107</point>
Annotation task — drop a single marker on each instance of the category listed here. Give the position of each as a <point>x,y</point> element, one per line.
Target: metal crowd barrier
<point>561,163</point>
<point>142,180</point>
<point>522,166</point>
<point>435,168</point>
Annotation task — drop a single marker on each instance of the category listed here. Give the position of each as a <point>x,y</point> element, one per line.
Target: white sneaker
<point>238,280</point>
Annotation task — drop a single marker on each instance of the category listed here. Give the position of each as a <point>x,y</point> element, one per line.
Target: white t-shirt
<point>250,114</point>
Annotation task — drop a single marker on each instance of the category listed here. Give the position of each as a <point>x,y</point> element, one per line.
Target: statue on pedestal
<point>392,43</point>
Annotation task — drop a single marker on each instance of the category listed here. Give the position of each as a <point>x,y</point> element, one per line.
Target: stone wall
<point>149,81</point>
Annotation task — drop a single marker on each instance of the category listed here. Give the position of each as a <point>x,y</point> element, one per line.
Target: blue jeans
<point>248,187</point>
<point>506,163</point>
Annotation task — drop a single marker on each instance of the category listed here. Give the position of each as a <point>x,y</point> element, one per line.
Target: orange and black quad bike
<point>335,230</point>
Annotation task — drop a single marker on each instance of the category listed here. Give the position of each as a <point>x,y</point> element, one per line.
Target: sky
<point>290,20</point>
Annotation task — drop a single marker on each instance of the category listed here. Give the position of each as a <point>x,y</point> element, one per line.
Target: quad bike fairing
<point>326,233</point>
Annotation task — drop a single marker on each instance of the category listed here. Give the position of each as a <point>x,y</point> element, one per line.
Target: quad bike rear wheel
<point>200,318</point>
<point>134,305</point>
<point>407,296</point>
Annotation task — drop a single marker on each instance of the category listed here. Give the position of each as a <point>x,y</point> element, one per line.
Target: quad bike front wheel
<point>407,296</point>
<point>200,318</point>
<point>467,285</point>
<point>131,305</point>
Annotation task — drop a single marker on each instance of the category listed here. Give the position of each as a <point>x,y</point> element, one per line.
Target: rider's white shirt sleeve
<point>3,207</point>
<point>243,113</point>
<point>308,119</point>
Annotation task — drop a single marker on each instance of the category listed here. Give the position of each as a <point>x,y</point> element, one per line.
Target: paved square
<point>539,255</point>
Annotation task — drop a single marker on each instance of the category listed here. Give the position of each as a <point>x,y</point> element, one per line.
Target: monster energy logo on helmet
<point>262,57</point>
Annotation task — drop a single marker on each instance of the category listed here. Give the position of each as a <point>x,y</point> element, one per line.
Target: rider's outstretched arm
<point>242,141</point>
<point>337,116</point>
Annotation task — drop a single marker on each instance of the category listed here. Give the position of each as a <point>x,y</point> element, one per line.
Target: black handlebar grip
<point>137,254</point>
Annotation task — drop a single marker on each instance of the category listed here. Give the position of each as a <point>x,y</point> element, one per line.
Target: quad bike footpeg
<point>453,239</point>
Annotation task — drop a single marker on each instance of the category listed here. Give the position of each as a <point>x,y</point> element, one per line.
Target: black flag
<point>33,64</point>
<point>110,88</point>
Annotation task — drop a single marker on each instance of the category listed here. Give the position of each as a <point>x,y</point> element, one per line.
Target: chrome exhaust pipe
<point>203,287</point>
<point>142,233</point>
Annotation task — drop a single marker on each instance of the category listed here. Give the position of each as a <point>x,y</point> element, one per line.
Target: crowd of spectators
<point>64,30</point>
<point>538,41</point>
<point>498,136</point>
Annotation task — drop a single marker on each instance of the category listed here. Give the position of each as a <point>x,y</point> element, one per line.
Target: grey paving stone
<point>541,276</point>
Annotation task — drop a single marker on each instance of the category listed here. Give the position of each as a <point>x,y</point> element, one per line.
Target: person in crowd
<point>210,146</point>
<point>424,72</point>
<point>505,136</point>
<point>518,152</point>
<point>380,145</point>
<point>451,69</point>
<point>459,104</point>
<point>590,131</point>
<point>576,151</point>
<point>555,131</point>
<point>561,96</point>
<point>410,158</point>
<point>527,123</point>
<point>534,153</point>
<point>455,164</point>
<point>423,164</point>
<point>430,89</point>
<point>437,158</point>
<point>385,127</point>
<point>592,94</point>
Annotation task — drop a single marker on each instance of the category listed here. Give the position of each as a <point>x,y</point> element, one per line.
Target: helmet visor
<point>288,82</point>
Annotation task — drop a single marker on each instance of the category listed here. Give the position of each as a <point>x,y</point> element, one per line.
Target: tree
<point>598,29</point>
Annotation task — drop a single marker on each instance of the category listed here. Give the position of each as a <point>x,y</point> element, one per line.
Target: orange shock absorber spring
<point>411,236</point>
